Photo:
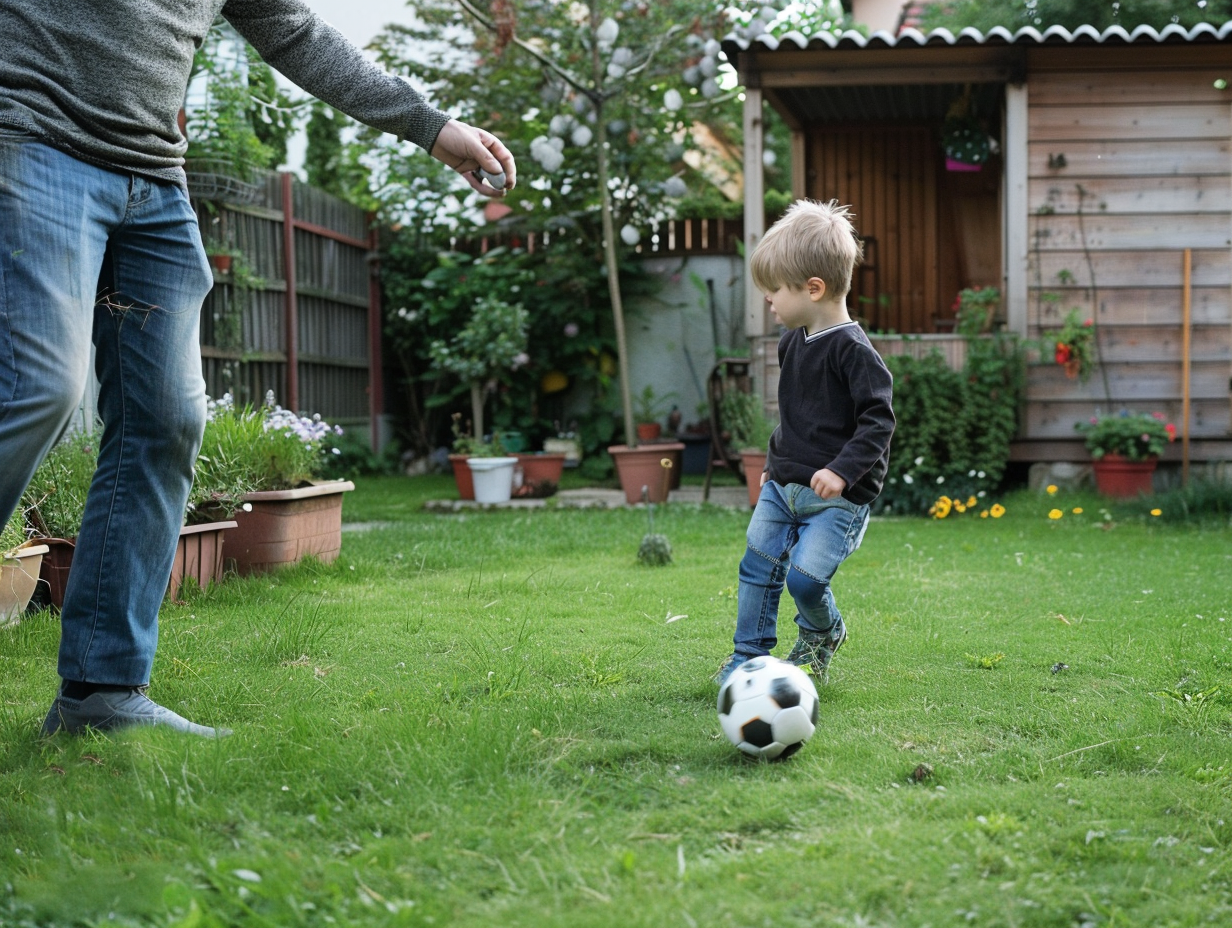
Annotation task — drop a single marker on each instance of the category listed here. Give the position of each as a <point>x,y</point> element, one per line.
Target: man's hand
<point>827,484</point>
<point>467,150</point>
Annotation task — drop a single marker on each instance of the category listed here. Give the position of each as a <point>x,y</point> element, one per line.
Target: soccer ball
<point>768,708</point>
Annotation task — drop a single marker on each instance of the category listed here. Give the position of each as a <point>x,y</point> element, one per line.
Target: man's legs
<point>61,220</point>
<point>53,232</point>
<point>152,403</point>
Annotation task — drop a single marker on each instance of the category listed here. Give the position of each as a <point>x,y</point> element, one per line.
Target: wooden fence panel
<point>244,337</point>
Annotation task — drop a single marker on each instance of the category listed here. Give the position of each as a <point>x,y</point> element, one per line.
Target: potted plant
<point>492,342</point>
<point>1073,345</point>
<point>649,409</point>
<point>1124,450</point>
<point>491,470</point>
<point>20,559</point>
<point>744,418</point>
<point>261,468</point>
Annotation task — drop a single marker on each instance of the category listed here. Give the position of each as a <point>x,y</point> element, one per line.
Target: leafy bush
<point>744,416</point>
<point>570,350</point>
<point>55,499</point>
<point>954,428</point>
<point>13,534</point>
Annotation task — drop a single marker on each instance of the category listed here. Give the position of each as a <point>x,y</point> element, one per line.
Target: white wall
<point>878,15</point>
<point>672,336</point>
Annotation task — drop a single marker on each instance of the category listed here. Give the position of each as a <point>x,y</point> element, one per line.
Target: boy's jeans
<point>798,538</point>
<point>70,231</point>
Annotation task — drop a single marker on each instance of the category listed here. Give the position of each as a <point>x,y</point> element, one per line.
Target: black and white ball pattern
<point>768,708</point>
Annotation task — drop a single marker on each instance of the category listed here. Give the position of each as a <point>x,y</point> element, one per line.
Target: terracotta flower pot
<point>462,475</point>
<point>754,462</point>
<point>648,431</point>
<point>541,474</point>
<point>19,573</point>
<point>642,467</point>
<point>285,526</point>
<point>56,564</point>
<point>1118,476</point>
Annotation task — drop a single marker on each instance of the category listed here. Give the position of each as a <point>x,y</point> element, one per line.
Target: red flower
<point>1064,352</point>
<point>1171,430</point>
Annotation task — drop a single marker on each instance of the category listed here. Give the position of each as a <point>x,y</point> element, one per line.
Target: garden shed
<point>1108,190</point>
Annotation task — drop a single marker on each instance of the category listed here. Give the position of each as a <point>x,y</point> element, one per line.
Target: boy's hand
<point>827,484</point>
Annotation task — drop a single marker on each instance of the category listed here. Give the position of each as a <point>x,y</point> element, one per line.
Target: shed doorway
<point>929,232</point>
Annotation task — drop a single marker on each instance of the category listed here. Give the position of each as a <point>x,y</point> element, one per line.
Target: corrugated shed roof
<point>997,36</point>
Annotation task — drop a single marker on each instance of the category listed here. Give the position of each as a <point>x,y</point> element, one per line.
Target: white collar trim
<point>827,331</point>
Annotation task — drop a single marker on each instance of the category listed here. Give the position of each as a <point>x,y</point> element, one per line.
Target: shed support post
<point>1015,211</point>
<point>754,209</point>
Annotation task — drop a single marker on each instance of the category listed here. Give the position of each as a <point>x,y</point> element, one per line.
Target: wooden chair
<point>730,374</point>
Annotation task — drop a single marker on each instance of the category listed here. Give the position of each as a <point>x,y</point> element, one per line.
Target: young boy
<point>828,457</point>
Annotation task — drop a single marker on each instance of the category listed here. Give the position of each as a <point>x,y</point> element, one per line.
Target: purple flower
<point>571,329</point>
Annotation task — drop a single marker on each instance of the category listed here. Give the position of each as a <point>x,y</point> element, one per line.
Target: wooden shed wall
<point>1129,165</point>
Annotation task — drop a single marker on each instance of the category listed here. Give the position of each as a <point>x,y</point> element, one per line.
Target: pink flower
<point>571,330</point>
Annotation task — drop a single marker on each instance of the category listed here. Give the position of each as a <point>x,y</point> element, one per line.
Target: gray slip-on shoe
<point>107,710</point>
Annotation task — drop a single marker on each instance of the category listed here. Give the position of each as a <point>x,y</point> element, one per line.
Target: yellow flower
<point>984,514</point>
<point>1157,512</point>
<point>972,502</point>
<point>1051,489</point>
<point>1077,510</point>
<point>942,507</point>
<point>959,507</point>
<point>997,511</point>
<point>1055,514</point>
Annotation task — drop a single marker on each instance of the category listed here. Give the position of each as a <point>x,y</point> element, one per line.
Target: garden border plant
<point>954,427</point>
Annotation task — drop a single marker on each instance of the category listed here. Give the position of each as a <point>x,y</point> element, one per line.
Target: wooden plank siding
<point>332,304</point>
<point>929,233</point>
<point>1128,167</point>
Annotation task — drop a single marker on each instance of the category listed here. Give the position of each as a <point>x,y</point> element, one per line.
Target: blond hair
<point>811,240</point>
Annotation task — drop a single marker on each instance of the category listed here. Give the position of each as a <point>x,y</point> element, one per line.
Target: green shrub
<point>1204,502</point>
<point>55,499</point>
<point>954,428</point>
<point>13,534</point>
<point>744,416</point>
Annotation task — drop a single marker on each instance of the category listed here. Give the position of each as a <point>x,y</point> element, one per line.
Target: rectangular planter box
<point>198,556</point>
<point>285,526</point>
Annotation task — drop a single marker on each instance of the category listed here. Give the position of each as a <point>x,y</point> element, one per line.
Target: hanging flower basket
<point>966,144</point>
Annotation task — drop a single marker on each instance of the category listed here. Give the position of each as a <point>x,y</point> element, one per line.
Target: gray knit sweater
<point>104,79</point>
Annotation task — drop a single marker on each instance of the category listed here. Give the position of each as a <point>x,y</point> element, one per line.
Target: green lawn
<point>500,719</point>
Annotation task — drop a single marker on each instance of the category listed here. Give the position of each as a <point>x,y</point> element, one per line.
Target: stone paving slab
<point>596,498</point>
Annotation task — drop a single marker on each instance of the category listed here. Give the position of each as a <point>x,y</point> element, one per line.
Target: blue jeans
<point>89,255</point>
<point>797,539</point>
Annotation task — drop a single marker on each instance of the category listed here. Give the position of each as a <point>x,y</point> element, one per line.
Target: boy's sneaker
<point>106,710</point>
<point>815,650</point>
<point>729,665</point>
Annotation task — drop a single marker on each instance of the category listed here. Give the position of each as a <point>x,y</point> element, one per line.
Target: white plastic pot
<point>493,478</point>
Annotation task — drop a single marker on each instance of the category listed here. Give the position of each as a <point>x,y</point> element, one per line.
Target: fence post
<point>292,301</point>
<point>376,376</point>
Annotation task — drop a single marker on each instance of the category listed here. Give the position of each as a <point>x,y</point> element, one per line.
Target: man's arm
<point>319,59</point>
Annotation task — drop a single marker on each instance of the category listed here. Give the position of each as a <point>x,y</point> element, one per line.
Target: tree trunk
<point>477,410</point>
<point>609,241</point>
